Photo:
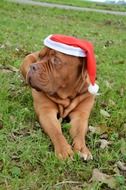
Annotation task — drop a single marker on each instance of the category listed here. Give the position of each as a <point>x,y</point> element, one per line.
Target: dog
<point>59,84</point>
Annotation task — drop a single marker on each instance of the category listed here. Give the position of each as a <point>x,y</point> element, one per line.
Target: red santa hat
<point>77,47</point>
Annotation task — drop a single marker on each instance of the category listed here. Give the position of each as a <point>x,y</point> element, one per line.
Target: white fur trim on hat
<point>93,89</point>
<point>66,49</point>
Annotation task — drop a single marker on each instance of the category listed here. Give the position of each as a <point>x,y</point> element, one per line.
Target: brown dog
<point>59,86</point>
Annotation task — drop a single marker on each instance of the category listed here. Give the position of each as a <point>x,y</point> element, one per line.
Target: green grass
<point>27,160</point>
<point>84,3</point>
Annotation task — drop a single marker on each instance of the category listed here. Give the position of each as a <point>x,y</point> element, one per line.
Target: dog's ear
<point>84,69</point>
<point>55,60</point>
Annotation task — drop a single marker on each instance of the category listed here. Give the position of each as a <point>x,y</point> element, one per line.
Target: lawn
<point>27,160</point>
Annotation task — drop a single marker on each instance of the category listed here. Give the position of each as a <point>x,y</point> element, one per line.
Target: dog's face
<point>54,71</point>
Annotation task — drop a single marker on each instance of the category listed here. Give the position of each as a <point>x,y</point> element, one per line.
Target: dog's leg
<point>46,111</point>
<point>79,126</point>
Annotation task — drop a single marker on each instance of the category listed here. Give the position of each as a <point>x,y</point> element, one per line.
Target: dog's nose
<point>33,67</point>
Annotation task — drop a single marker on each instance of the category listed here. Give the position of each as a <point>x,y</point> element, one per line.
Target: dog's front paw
<point>85,154</point>
<point>82,151</point>
<point>63,151</point>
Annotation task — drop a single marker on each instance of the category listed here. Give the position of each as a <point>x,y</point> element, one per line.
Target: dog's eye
<point>56,61</point>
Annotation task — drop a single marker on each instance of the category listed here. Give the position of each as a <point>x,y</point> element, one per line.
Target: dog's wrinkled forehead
<point>56,57</point>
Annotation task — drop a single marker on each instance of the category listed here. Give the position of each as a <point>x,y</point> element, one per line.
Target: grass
<point>84,3</point>
<point>27,160</point>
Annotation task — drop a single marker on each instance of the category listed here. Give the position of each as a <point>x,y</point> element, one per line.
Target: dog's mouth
<point>30,83</point>
<point>33,86</point>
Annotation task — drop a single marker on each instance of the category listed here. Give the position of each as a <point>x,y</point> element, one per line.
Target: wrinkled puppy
<point>62,78</point>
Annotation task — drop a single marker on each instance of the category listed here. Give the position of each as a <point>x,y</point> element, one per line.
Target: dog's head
<point>55,70</point>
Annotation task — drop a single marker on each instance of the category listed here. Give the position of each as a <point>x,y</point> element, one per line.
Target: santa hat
<point>77,47</point>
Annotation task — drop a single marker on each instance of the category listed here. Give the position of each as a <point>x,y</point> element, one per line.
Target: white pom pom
<point>93,89</point>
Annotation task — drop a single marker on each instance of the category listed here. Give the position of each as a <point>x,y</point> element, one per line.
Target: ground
<point>27,160</point>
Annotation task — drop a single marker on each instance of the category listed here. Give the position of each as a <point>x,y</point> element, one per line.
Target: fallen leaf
<point>5,71</point>
<point>121,165</point>
<point>108,22</point>
<point>12,68</point>
<point>92,129</point>
<point>108,43</point>
<point>123,146</point>
<point>104,113</point>
<point>104,136</point>
<point>116,61</point>
<point>122,133</point>
<point>104,104</point>
<point>22,132</point>
<point>104,143</point>
<point>100,129</point>
<point>104,178</point>
<point>116,170</point>
<point>111,102</point>
<point>19,133</point>
<point>15,157</point>
<point>2,46</point>
<point>124,126</point>
<point>122,92</point>
<point>8,68</point>
<point>108,84</point>
<point>17,49</point>
<point>12,118</point>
